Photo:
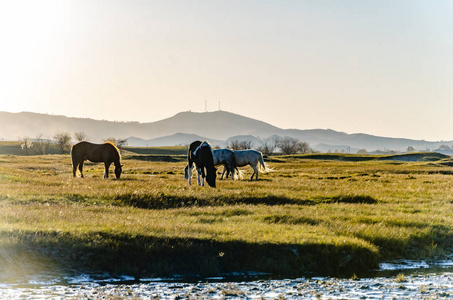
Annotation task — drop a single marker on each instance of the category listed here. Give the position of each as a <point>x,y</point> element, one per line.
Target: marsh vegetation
<point>334,215</point>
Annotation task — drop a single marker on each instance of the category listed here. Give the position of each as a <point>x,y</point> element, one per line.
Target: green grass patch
<point>307,216</point>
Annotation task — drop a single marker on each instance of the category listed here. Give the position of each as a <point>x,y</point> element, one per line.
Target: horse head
<point>118,170</point>
<point>210,177</point>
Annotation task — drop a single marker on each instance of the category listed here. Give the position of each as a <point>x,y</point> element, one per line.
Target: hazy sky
<point>376,67</point>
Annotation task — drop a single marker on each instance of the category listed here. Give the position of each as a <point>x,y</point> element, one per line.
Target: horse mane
<point>202,144</point>
<point>116,148</point>
<point>207,144</point>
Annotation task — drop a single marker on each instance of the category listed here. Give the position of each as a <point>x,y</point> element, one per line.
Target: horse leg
<point>203,175</point>
<point>229,171</point>
<point>239,174</point>
<point>223,172</point>
<point>74,169</point>
<point>255,172</point>
<point>190,175</point>
<point>81,168</point>
<point>74,165</point>
<point>189,168</point>
<point>232,172</point>
<point>198,176</point>
<point>106,170</point>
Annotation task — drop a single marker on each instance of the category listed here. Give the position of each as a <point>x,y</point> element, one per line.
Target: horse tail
<point>233,166</point>
<point>74,160</point>
<point>72,155</point>
<point>262,166</point>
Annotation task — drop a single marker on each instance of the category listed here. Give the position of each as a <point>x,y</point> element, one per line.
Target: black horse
<point>200,153</point>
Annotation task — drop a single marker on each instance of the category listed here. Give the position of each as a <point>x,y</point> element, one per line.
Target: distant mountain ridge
<point>184,127</point>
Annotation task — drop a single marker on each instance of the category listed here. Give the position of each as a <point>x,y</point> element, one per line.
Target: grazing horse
<point>106,153</point>
<point>223,157</point>
<point>226,158</point>
<point>200,153</point>
<point>250,157</point>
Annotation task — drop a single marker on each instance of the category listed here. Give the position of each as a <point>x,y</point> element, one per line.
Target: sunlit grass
<point>338,215</point>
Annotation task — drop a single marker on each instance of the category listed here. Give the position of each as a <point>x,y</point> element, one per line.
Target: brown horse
<point>106,153</point>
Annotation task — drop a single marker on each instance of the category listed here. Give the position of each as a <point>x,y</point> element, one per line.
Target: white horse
<point>223,157</point>
<point>253,158</point>
<point>226,158</point>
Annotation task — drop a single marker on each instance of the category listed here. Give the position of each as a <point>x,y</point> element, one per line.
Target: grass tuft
<point>357,199</point>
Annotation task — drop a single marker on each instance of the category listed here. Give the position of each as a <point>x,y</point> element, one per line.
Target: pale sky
<point>377,67</point>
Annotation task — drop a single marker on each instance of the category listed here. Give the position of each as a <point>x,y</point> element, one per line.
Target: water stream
<point>397,280</point>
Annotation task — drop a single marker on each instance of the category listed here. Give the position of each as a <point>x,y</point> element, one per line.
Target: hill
<point>217,127</point>
<point>177,139</point>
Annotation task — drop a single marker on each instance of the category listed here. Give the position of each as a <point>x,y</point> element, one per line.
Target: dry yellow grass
<point>356,212</point>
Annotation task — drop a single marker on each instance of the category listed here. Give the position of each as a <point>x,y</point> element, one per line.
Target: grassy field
<point>310,215</point>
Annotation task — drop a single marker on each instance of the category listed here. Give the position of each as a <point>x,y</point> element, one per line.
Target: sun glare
<point>29,30</point>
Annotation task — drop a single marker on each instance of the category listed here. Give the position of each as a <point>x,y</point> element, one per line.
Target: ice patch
<point>416,264</point>
<point>403,265</point>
